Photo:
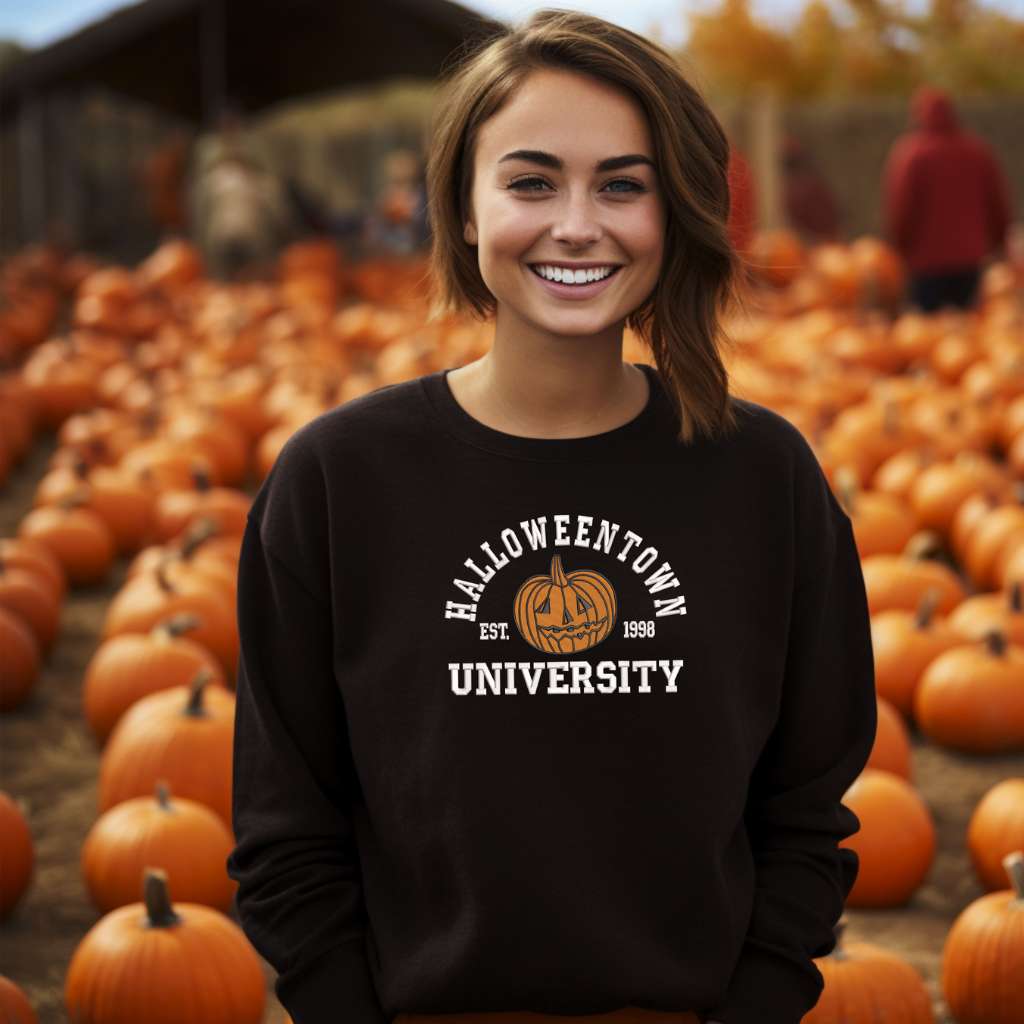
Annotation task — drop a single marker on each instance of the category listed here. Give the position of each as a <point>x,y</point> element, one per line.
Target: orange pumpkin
<point>896,841</point>
<point>971,697</point>
<point>941,488</point>
<point>891,749</point>
<point>186,839</point>
<point>996,829</point>
<point>19,667</point>
<point>564,612</point>
<point>120,500</point>
<point>23,553</point>
<point>17,854</point>
<point>130,666</point>
<point>80,540</point>
<point>177,510</point>
<point>980,614</point>
<point>904,644</point>
<point>983,956</point>
<point>184,735</point>
<point>31,597</point>
<point>989,540</point>
<point>201,545</point>
<point>14,1005</point>
<point>864,984</point>
<point>148,598</point>
<point>882,524</point>
<point>901,581</point>
<point>134,964</point>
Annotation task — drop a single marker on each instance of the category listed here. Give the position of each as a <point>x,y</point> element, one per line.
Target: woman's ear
<point>469,233</point>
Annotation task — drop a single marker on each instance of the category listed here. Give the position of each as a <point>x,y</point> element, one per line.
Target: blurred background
<point>108,112</point>
<point>213,229</point>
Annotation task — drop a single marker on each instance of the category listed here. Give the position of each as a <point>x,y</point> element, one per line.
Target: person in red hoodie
<point>946,204</point>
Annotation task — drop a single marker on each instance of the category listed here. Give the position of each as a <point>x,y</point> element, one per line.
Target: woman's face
<point>564,180</point>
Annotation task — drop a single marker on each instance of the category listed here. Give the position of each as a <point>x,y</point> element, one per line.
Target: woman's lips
<point>574,291</point>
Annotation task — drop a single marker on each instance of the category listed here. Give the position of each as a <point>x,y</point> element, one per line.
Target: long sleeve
<point>898,196</point>
<point>820,743</point>
<point>299,897</point>
<point>997,193</point>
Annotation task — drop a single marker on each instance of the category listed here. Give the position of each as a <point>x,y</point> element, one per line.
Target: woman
<point>554,668</point>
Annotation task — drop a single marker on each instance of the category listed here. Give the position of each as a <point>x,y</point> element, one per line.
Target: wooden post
<point>765,139</point>
<point>70,199</point>
<point>212,54</point>
<point>31,166</point>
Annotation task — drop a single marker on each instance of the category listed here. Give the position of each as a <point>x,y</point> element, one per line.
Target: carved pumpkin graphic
<point>561,613</point>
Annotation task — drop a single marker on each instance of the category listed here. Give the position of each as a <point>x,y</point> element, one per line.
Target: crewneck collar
<point>627,437</point>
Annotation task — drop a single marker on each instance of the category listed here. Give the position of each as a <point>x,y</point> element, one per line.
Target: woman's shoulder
<point>334,447</point>
<point>360,425</point>
<point>764,431</point>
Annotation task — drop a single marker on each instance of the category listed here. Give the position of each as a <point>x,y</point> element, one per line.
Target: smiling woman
<point>554,667</point>
<point>577,185</point>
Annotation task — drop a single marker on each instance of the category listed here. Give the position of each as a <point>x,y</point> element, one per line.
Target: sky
<point>38,22</point>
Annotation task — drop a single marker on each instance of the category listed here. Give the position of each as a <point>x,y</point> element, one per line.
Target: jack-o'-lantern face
<point>565,612</point>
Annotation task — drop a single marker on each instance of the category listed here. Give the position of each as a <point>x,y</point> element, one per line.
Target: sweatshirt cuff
<point>767,989</point>
<point>336,985</point>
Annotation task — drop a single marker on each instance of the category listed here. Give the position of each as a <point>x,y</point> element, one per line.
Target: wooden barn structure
<point>179,64</point>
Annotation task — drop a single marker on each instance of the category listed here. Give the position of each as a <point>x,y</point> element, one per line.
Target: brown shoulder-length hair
<point>681,320</point>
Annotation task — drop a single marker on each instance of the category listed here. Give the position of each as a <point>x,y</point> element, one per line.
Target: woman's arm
<point>820,743</point>
<point>295,859</point>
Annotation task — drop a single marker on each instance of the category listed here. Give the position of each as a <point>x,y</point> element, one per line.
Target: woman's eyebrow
<point>613,163</point>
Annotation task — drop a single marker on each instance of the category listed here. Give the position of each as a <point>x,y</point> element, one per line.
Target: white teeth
<point>566,276</point>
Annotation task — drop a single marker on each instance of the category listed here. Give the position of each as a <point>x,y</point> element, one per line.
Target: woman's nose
<point>575,222</point>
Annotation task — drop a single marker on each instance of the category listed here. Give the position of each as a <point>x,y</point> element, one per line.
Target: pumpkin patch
<point>140,411</point>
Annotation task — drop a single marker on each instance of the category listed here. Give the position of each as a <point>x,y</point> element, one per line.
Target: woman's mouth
<point>565,282</point>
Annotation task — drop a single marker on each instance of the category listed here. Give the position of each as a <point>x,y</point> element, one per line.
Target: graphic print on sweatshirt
<point>570,607</point>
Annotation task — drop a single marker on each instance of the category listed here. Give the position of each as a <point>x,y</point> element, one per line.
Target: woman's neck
<point>571,391</point>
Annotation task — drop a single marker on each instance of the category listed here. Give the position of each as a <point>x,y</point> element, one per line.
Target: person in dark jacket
<point>811,208</point>
<point>946,203</point>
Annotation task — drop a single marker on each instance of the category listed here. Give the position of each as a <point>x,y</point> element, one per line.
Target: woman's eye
<point>531,185</point>
<point>521,183</point>
<point>633,185</point>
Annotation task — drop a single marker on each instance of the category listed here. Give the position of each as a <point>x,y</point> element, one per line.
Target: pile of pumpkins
<point>169,393</point>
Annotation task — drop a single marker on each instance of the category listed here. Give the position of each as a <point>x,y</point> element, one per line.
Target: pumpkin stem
<point>926,608</point>
<point>557,575</point>
<point>74,499</point>
<point>80,468</point>
<point>891,417</point>
<point>197,534</point>
<point>849,486</point>
<point>161,576</point>
<point>195,708</point>
<point>201,478</point>
<point>1014,864</point>
<point>163,795</point>
<point>157,898</point>
<point>1015,597</point>
<point>924,544</point>
<point>995,643</point>
<point>148,422</point>
<point>178,624</point>
<point>97,450</point>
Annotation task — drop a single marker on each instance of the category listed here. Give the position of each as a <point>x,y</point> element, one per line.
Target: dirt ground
<point>49,762</point>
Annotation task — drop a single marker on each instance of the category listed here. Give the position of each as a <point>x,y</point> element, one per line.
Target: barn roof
<point>187,56</point>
